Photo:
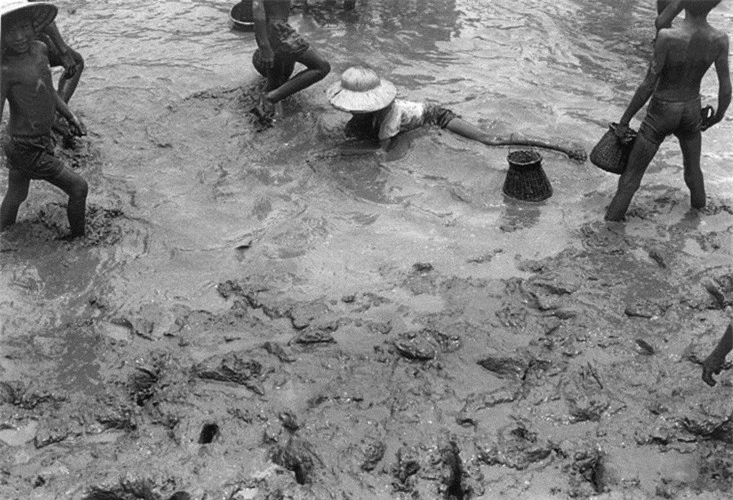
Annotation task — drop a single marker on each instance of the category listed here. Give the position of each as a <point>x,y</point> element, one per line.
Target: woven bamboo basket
<point>526,180</point>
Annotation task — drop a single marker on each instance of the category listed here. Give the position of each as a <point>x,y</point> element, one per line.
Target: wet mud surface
<point>576,375</point>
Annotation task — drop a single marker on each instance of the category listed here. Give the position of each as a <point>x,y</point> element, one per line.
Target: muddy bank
<point>567,383</point>
<point>452,369</point>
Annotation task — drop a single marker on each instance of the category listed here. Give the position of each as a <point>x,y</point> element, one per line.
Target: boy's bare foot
<point>264,110</point>
<point>277,110</point>
<point>70,237</point>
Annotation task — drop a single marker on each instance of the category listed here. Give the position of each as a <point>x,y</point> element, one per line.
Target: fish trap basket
<point>525,179</point>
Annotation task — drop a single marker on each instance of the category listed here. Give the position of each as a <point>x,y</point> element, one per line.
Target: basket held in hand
<point>611,154</point>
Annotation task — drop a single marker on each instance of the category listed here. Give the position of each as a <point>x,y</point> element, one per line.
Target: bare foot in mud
<point>265,111</point>
<point>70,237</point>
<point>713,364</point>
<point>277,110</point>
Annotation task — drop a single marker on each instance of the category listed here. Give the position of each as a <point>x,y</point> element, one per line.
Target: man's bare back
<point>277,10</point>
<point>682,56</point>
<point>689,51</point>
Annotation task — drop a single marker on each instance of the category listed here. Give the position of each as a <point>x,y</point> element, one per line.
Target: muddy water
<point>189,193</point>
<point>200,183</point>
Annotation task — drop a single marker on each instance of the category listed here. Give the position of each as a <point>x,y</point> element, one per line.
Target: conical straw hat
<point>43,12</point>
<point>361,91</point>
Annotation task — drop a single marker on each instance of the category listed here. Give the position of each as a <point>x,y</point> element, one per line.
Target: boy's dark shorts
<point>285,40</point>
<point>437,115</point>
<point>663,118</point>
<point>32,156</point>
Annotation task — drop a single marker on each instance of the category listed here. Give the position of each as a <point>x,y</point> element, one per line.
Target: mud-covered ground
<point>577,376</point>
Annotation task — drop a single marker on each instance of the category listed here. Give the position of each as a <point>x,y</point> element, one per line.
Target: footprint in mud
<point>104,226</point>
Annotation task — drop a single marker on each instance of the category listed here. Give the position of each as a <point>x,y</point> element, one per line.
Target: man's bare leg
<point>17,193</point>
<point>691,149</point>
<point>76,187</point>
<point>641,156</point>
<point>316,70</point>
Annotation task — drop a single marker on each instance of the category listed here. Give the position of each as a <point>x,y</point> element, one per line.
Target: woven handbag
<point>611,154</point>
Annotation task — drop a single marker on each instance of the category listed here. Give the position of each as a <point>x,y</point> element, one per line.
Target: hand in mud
<point>578,153</point>
<point>713,364</point>
<point>77,127</point>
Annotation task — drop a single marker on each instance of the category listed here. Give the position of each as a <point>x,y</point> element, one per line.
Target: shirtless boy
<point>279,48</point>
<point>26,84</point>
<point>682,56</point>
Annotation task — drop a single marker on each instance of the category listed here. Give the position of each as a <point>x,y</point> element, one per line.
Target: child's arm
<point>3,93</point>
<point>263,41</point>
<point>724,85</point>
<point>646,89</point>
<point>665,18</point>
<point>67,59</point>
<point>77,127</point>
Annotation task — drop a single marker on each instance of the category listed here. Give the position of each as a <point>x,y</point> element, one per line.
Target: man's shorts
<point>285,40</point>
<point>663,118</point>
<point>437,115</point>
<point>33,156</point>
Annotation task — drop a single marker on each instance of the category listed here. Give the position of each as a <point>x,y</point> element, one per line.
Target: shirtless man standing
<point>682,56</point>
<point>279,48</point>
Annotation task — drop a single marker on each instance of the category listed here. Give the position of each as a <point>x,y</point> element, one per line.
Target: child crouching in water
<point>33,102</point>
<point>377,114</point>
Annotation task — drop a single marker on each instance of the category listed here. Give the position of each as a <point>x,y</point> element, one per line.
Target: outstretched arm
<point>665,18</point>
<point>470,131</point>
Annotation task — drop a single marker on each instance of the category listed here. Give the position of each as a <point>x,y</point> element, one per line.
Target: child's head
<point>696,7</point>
<point>19,17</point>
<point>700,7</point>
<point>361,91</point>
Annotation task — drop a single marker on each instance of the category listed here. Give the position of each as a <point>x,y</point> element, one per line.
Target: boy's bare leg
<point>316,70</point>
<point>77,188</point>
<point>17,192</point>
<point>691,149</point>
<point>280,73</point>
<point>641,156</point>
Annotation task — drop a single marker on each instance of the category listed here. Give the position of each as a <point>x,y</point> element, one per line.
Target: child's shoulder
<point>719,36</point>
<point>39,47</point>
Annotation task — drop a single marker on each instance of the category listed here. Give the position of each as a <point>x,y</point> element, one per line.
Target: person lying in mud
<point>26,84</point>
<point>378,115</point>
<point>279,47</point>
<point>682,56</point>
